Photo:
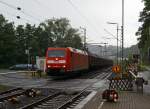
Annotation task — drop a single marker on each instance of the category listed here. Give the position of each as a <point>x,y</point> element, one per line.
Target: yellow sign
<point>116,69</point>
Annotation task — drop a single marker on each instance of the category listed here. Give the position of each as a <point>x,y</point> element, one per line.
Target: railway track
<point>57,101</point>
<point>40,102</point>
<point>10,91</point>
<point>19,98</point>
<point>95,74</point>
<point>14,98</point>
<point>74,101</point>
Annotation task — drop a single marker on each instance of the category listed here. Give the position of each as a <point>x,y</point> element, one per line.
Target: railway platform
<point>135,99</point>
<point>129,100</point>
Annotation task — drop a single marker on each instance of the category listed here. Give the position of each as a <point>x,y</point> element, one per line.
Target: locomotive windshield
<point>56,53</point>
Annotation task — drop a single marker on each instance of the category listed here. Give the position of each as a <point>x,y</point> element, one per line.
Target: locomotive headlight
<point>48,66</point>
<point>62,61</point>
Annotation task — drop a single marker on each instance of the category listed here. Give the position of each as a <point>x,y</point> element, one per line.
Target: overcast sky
<point>92,14</point>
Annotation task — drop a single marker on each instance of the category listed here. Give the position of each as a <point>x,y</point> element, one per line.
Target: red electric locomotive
<point>61,61</point>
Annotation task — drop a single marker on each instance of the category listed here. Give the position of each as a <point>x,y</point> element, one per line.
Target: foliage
<point>4,88</point>
<point>144,31</point>
<point>130,51</point>
<point>61,33</point>
<point>14,41</point>
<point>7,41</point>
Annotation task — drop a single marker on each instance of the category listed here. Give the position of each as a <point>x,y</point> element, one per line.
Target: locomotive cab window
<point>56,53</point>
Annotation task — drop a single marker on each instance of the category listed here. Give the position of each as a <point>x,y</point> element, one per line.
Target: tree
<point>43,40</point>
<point>7,41</point>
<point>144,30</point>
<point>14,41</point>
<point>61,33</point>
<point>21,44</point>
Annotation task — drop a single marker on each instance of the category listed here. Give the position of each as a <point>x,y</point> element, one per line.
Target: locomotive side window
<point>71,54</point>
<point>56,53</point>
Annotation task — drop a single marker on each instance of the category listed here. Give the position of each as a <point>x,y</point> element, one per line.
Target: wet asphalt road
<point>5,70</point>
<point>26,80</point>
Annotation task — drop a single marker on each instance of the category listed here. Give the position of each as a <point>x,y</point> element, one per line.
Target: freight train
<point>65,61</point>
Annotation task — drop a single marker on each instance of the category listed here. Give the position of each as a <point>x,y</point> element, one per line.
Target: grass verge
<point>4,88</point>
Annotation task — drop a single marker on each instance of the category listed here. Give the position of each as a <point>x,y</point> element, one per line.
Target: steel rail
<point>34,104</point>
<point>12,95</point>
<point>11,90</point>
<point>66,104</point>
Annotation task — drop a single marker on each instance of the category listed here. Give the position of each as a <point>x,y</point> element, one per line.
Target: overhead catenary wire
<point>11,6</point>
<point>45,7</point>
<point>84,17</point>
<point>36,14</point>
<point>40,3</point>
<point>111,34</point>
<point>17,8</point>
<point>77,10</point>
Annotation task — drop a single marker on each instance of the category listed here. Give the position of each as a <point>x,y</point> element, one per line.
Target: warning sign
<point>116,69</point>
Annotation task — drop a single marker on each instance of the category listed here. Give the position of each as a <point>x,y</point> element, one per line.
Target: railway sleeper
<point>71,103</point>
<point>40,102</point>
<point>75,103</point>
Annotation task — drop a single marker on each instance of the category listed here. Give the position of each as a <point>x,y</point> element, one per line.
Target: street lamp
<point>122,34</point>
<point>84,29</point>
<point>117,36</point>
<point>105,49</point>
<point>101,50</point>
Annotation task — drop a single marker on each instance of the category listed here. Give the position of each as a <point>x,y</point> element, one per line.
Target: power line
<point>19,9</point>
<point>40,3</point>
<point>111,34</point>
<point>83,16</point>
<point>77,10</point>
<point>13,15</point>
<point>37,2</point>
<point>11,6</point>
<point>36,14</point>
<point>30,15</point>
